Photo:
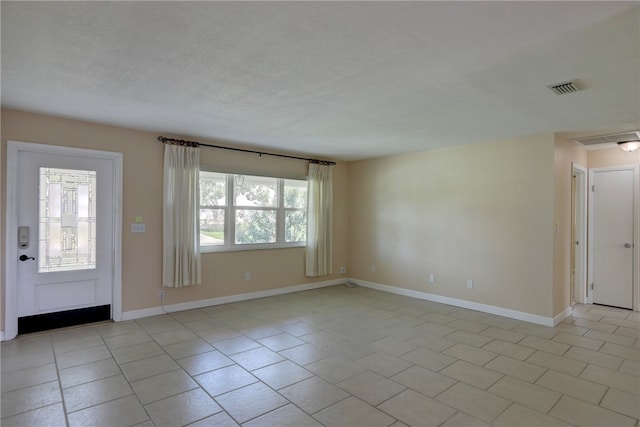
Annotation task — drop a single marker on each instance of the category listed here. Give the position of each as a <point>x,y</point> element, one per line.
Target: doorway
<point>579,291</point>
<point>613,235</point>
<point>64,219</point>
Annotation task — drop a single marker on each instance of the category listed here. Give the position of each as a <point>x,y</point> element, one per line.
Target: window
<point>213,207</point>
<point>251,212</point>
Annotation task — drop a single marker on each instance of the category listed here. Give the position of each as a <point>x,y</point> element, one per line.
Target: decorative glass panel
<point>67,220</point>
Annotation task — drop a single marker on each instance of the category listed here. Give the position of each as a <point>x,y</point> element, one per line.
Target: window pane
<point>255,226</point>
<point>255,191</point>
<point>295,194</point>
<point>212,189</point>
<point>295,226</point>
<point>67,220</point>
<point>211,227</point>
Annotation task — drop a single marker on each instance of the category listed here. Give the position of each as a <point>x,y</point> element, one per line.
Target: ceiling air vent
<point>613,138</point>
<point>566,87</point>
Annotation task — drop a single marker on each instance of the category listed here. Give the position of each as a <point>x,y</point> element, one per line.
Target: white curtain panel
<point>319,220</point>
<point>181,240</point>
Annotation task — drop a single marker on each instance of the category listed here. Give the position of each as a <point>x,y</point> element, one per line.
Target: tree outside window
<point>264,212</point>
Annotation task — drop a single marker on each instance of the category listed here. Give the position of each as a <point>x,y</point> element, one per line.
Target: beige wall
<point>612,157</point>
<point>223,273</point>
<point>566,154</point>
<point>482,212</point>
<point>485,212</point>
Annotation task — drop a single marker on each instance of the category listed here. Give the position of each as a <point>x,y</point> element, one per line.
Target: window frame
<point>230,208</point>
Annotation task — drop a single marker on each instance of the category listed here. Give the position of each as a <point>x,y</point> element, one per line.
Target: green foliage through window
<point>264,211</point>
<point>255,226</point>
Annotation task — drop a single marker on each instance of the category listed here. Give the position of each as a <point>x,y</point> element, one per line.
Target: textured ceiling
<point>337,79</point>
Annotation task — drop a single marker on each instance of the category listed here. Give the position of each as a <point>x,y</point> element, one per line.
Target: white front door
<point>613,231</point>
<point>65,229</point>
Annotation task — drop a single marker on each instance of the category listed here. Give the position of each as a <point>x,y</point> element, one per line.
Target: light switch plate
<point>137,228</point>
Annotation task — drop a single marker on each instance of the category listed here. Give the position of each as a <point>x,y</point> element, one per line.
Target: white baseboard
<point>154,311</point>
<point>561,316</point>
<point>513,314</point>
<point>485,308</point>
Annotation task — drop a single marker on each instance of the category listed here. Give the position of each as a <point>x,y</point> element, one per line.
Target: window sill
<point>256,247</point>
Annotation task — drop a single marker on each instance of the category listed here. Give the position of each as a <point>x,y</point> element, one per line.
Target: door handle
<point>24,258</point>
<point>627,245</point>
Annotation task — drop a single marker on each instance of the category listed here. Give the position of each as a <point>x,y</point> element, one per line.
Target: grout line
<point>125,377</point>
<point>63,400</point>
<point>333,328</point>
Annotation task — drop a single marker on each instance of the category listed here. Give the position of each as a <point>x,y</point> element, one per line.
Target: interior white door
<point>613,247</point>
<point>65,234</point>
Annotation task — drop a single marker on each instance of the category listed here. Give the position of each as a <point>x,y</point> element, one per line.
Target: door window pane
<point>67,220</point>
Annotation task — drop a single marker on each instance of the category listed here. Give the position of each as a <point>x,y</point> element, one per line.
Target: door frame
<point>11,239</point>
<point>580,251</point>
<point>636,230</point>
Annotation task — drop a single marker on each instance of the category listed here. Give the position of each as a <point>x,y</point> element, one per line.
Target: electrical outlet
<point>469,284</point>
<point>343,270</point>
<point>432,278</point>
<point>161,294</point>
<point>373,268</point>
<point>247,276</point>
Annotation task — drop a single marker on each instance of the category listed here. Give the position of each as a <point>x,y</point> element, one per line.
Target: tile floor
<point>332,356</point>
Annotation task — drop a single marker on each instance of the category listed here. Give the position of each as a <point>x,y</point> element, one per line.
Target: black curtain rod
<point>165,140</point>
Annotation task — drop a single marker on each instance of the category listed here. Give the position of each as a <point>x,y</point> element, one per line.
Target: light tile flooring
<point>332,356</point>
